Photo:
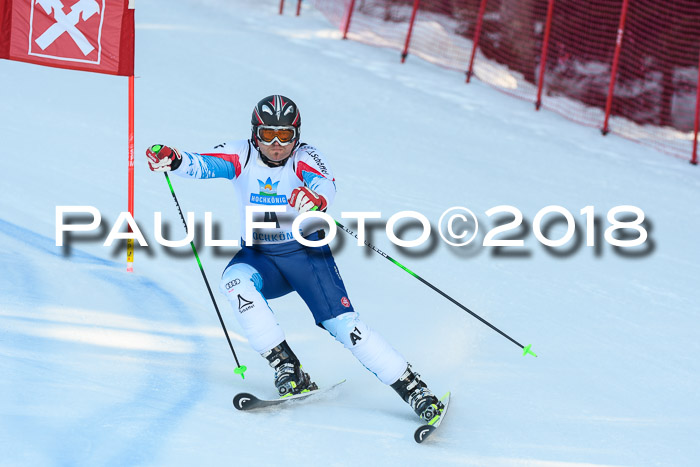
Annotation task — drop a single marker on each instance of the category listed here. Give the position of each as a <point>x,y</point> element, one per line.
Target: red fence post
<point>616,59</point>
<point>543,58</point>
<point>477,34</point>
<point>348,17</point>
<point>281,6</point>
<point>298,7</point>
<point>694,160</point>
<point>410,30</point>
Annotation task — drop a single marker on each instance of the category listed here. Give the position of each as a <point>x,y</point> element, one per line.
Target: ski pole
<point>240,370</point>
<point>526,349</point>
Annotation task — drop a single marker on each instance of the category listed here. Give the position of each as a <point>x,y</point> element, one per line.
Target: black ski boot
<point>289,377</point>
<point>416,393</point>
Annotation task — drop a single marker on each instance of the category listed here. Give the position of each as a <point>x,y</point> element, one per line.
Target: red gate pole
<point>348,17</point>
<point>130,241</point>
<point>298,7</point>
<point>477,34</point>
<point>616,59</point>
<point>410,30</point>
<point>281,6</point>
<point>694,160</point>
<point>543,58</point>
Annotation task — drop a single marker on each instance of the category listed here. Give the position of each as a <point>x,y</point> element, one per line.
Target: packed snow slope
<point>102,367</point>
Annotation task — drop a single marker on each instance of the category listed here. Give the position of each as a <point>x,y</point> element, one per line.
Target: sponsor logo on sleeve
<point>319,163</point>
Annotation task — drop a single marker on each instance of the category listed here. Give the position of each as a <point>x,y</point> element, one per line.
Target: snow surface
<point>102,367</point>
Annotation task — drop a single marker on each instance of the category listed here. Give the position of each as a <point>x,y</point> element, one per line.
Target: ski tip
<point>241,399</point>
<point>422,433</point>
<point>526,350</point>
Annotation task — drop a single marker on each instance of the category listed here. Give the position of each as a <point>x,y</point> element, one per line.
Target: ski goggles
<point>284,135</point>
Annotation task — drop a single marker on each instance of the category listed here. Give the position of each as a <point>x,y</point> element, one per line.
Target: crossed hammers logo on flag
<point>66,23</point>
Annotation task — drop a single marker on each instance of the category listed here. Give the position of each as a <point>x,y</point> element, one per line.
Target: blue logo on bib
<point>268,193</point>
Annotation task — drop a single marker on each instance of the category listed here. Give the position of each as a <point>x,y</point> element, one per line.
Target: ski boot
<point>290,379</point>
<point>416,393</point>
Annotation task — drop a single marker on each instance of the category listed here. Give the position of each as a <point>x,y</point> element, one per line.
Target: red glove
<point>163,158</point>
<point>304,199</point>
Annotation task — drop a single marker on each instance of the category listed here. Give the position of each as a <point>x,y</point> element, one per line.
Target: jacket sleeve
<point>313,170</point>
<point>222,162</point>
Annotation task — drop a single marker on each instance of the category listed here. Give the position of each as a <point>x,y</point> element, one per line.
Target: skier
<point>275,168</point>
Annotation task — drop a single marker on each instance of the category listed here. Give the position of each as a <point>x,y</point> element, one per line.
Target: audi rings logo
<point>232,284</point>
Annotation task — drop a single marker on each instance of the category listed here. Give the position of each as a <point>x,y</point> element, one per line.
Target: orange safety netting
<point>335,11</point>
<point>654,98</point>
<point>658,73</point>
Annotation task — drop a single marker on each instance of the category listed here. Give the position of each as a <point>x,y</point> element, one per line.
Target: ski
<point>247,401</point>
<point>426,430</point>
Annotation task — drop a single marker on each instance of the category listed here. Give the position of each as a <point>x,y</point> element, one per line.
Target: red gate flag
<point>85,35</point>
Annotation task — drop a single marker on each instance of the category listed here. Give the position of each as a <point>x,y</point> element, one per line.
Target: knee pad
<point>348,329</point>
<point>239,277</point>
<point>241,283</point>
<point>367,346</point>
